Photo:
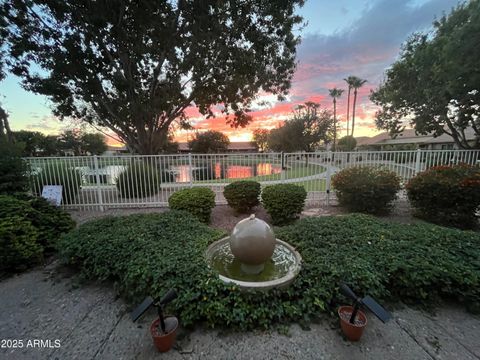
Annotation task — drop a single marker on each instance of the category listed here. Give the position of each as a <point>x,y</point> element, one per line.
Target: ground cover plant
<point>366,189</point>
<point>148,254</point>
<point>447,195</point>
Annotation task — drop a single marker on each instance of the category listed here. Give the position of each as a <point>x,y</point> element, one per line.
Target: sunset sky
<point>341,38</point>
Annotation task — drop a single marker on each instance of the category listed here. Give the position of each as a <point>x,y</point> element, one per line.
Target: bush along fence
<point>99,182</point>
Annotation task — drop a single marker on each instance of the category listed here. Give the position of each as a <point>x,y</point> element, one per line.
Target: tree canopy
<point>435,84</point>
<point>260,139</point>
<point>306,130</point>
<point>136,66</point>
<point>209,142</point>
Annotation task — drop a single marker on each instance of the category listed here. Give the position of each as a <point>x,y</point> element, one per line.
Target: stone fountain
<point>252,258</point>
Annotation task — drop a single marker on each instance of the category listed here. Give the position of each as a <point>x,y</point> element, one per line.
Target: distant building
<point>408,138</point>
<point>239,146</point>
<point>116,150</point>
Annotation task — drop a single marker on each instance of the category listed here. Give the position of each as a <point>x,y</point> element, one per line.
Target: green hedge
<point>141,180</point>
<point>197,201</point>
<point>242,196</point>
<point>18,244</point>
<point>30,227</point>
<point>366,189</point>
<point>148,254</point>
<point>283,202</point>
<point>447,195</point>
<point>13,170</point>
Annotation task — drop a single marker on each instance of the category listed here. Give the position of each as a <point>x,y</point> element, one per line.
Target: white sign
<point>53,193</point>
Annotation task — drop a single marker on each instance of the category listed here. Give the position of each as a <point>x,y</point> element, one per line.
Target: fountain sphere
<point>252,258</point>
<point>252,242</point>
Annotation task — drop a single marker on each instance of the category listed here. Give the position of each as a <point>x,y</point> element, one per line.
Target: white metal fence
<point>99,182</point>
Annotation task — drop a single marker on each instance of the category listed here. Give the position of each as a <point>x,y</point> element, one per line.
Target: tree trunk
<point>334,124</point>
<point>348,108</point>
<point>353,109</point>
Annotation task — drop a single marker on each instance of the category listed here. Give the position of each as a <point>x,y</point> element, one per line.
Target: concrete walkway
<point>90,322</point>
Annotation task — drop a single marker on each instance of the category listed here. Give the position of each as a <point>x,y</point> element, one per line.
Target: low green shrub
<point>140,180</point>
<point>18,244</point>
<point>366,189</point>
<point>242,196</point>
<point>47,221</point>
<point>50,221</point>
<point>58,173</point>
<point>149,254</point>
<point>447,195</point>
<point>283,202</point>
<point>13,170</point>
<point>198,201</point>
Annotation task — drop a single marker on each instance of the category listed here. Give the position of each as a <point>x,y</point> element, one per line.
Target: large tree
<point>135,66</point>
<point>435,84</point>
<point>93,143</point>
<point>260,139</point>
<point>357,83</point>
<point>209,142</point>
<point>306,130</point>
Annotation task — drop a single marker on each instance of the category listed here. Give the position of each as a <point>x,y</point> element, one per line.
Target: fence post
<point>417,161</point>
<point>282,173</point>
<point>190,169</point>
<point>97,179</point>
<point>329,176</point>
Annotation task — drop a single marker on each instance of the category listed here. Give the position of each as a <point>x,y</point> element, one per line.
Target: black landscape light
<point>367,302</point>
<point>149,301</point>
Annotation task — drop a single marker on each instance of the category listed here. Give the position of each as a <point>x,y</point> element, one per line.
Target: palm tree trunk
<point>353,109</point>
<point>348,108</point>
<point>334,124</point>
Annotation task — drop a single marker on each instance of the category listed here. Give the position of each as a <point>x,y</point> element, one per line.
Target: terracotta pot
<point>164,342</point>
<point>353,332</point>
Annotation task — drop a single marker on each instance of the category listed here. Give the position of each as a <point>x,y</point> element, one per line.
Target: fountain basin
<point>279,271</point>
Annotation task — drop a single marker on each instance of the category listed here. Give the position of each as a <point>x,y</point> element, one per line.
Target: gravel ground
<point>224,217</point>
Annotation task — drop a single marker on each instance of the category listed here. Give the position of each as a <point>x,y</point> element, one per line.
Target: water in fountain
<point>253,258</point>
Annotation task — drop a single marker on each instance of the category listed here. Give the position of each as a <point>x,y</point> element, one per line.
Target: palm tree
<point>349,80</point>
<point>335,93</point>
<point>356,84</point>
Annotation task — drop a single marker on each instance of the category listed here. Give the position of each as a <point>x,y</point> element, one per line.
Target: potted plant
<point>352,319</point>
<point>352,326</point>
<point>164,328</point>
<point>164,332</point>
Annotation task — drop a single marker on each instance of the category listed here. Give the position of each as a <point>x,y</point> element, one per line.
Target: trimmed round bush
<point>242,196</point>
<point>139,181</point>
<point>198,201</point>
<point>149,254</point>
<point>58,172</point>
<point>447,195</point>
<point>283,202</point>
<point>366,189</point>
<point>18,244</point>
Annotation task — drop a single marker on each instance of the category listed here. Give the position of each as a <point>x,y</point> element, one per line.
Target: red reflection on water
<point>238,171</point>
<point>218,171</point>
<point>182,172</point>
<point>267,169</point>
